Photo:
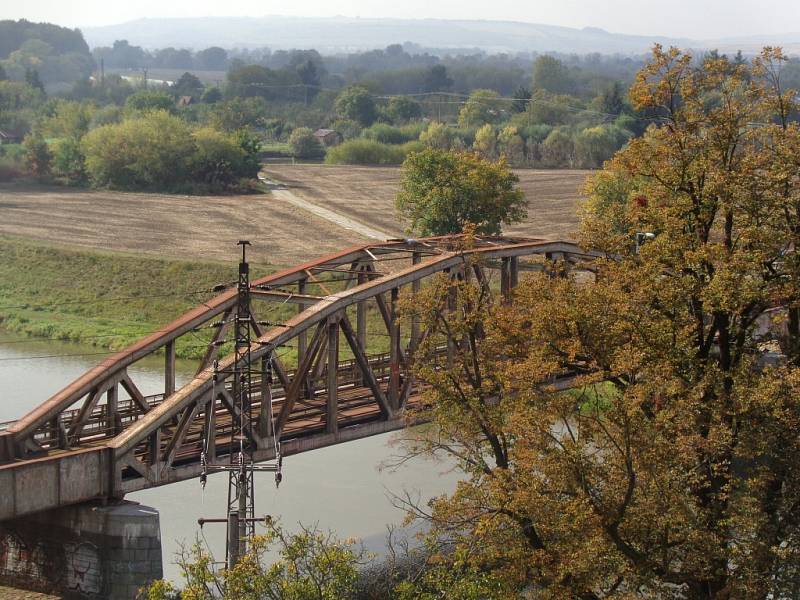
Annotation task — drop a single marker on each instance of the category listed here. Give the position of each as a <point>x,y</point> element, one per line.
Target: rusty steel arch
<point>87,442</point>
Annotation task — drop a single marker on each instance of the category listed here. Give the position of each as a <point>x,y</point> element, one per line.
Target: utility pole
<point>241,467</point>
<point>144,77</point>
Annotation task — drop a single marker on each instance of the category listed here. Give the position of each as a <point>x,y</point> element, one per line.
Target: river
<point>342,488</point>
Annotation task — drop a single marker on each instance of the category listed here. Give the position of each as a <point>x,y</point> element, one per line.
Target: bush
<point>386,134</point>
<point>595,145</point>
<point>437,136</point>
<point>365,152</point>
<point>303,144</point>
<point>149,152</point>
<point>218,160</point>
<point>69,163</point>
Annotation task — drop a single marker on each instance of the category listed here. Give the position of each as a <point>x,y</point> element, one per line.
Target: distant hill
<point>58,54</point>
<point>348,34</point>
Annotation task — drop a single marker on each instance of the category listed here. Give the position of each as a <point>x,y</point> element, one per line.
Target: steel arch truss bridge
<point>340,362</point>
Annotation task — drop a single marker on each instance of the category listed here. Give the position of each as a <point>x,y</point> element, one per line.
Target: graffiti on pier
<point>51,565</point>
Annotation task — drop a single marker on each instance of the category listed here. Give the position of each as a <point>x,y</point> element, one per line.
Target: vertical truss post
<point>416,258</point>
<point>113,421</point>
<point>302,338</point>
<point>394,352</point>
<point>361,319</point>
<point>332,405</point>
<point>169,368</point>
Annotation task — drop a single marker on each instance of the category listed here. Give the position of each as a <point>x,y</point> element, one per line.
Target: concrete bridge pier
<point>85,551</point>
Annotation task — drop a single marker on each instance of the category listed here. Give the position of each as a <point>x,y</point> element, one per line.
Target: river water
<point>342,488</point>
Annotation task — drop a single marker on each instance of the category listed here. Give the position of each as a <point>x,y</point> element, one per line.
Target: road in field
<point>366,194</point>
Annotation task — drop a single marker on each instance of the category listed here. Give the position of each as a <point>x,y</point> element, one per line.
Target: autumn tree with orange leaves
<point>672,469</point>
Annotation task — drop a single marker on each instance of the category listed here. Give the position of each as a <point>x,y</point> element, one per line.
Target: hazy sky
<point>699,19</point>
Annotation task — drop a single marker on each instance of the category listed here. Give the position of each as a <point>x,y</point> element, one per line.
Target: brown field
<point>208,227</point>
<point>366,194</point>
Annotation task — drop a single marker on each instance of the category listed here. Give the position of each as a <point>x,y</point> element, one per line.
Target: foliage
<point>69,162</point>
<point>238,113</point>
<point>437,136</point>
<point>483,106</point>
<point>159,151</point>
<point>386,134</point>
<point>147,100</point>
<point>595,145</point>
<point>311,565</point>
<point>365,152</point>
<point>357,104</point>
<point>402,109</point>
<point>442,191</point>
<point>550,75</point>
<point>38,158</point>
<point>683,481</point>
<point>486,142</point>
<point>558,148</point>
<point>304,144</point>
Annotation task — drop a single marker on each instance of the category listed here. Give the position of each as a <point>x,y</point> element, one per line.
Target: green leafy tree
<point>304,144</point>
<point>550,74</point>
<point>69,163</point>
<point>212,95</point>
<point>38,158</point>
<point>357,104</point>
<point>437,136</point>
<point>152,151</point>
<point>441,192</point>
<point>402,109</point>
<point>149,100</point>
<point>311,565</point>
<point>486,142</point>
<point>32,79</point>
<point>436,79</point>
<point>212,59</point>
<point>187,85</point>
<point>522,96</point>
<point>558,149</point>
<point>511,144</point>
<point>482,106</point>
<point>595,145</point>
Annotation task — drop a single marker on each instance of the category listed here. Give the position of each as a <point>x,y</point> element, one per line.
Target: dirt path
<point>334,217</point>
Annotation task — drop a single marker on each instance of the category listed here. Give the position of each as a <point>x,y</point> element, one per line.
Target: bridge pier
<point>84,551</point>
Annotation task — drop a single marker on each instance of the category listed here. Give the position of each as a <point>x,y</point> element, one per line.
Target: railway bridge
<point>341,363</point>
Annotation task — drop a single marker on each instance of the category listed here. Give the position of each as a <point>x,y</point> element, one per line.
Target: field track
<point>283,233</point>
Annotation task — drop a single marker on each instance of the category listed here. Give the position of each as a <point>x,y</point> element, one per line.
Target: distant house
<point>185,101</point>
<point>9,136</point>
<point>328,137</point>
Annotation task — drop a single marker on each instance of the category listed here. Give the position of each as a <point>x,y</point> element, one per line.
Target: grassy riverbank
<point>99,298</point>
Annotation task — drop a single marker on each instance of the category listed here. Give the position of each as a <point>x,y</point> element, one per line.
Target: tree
<point>437,135</point>
<point>3,75</point>
<point>511,145</point>
<point>38,157</point>
<point>612,100</point>
<point>486,142</point>
<point>304,144</point>
<point>212,59</point>
<point>309,77</point>
<point>442,191</point>
<point>356,103</point>
<point>436,79</point>
<point>550,74</point>
<point>212,95</point>
<point>32,79</point>
<point>522,97</point>
<point>187,85</point>
<point>482,106</point>
<point>595,145</point>
<point>310,565</point>
<point>403,108</point>
<point>69,163</point>
<point>149,100</point>
<point>669,471</point>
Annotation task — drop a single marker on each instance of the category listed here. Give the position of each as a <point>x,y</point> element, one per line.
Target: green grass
<point>103,299</point>
<point>110,300</point>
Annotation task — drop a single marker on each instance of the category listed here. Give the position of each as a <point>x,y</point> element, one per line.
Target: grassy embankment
<point>110,300</point>
<point>100,298</point>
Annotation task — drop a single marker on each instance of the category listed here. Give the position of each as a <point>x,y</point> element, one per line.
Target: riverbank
<point>104,299</point>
